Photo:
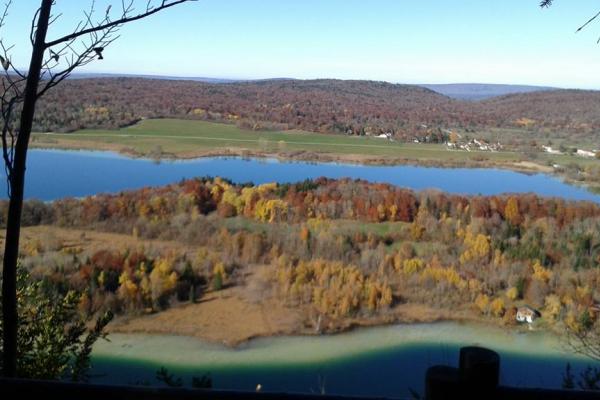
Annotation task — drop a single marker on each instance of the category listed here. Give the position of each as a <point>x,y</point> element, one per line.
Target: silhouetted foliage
<point>54,341</point>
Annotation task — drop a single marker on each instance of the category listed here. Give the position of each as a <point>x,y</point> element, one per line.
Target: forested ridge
<point>333,106</point>
<point>330,249</point>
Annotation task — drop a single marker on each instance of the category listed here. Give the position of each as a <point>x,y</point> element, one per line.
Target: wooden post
<point>442,383</point>
<point>479,370</point>
<point>477,377</point>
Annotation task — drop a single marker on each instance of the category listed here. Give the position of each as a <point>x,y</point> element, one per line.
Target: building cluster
<point>474,145</point>
<point>577,152</point>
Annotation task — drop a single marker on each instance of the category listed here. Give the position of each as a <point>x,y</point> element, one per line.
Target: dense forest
<point>332,249</point>
<point>334,106</point>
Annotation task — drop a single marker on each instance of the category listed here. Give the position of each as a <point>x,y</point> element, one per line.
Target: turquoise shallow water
<point>383,361</point>
<point>53,174</point>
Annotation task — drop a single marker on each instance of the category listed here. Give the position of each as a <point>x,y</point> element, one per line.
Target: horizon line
<point>246,79</point>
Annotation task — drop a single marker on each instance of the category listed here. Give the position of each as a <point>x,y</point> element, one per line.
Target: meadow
<point>185,138</point>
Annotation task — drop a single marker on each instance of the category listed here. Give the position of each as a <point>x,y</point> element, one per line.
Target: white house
<point>527,314</point>
<point>550,150</point>
<point>385,136</point>
<point>585,153</point>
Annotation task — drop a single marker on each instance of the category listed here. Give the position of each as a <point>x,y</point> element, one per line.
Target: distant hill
<point>333,106</point>
<point>460,91</point>
<point>325,105</point>
<point>481,91</point>
<point>92,75</point>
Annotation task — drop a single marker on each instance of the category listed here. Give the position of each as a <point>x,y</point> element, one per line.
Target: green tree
<point>54,340</point>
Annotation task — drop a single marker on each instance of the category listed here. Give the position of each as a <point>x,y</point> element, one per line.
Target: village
<point>572,151</point>
<point>473,145</point>
<point>452,139</point>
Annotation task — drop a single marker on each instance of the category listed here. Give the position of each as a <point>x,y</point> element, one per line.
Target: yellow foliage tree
<point>553,306</point>
<point>511,211</point>
<point>512,293</point>
<point>446,275</point>
<point>497,307</point>
<point>412,266</point>
<point>416,230</point>
<point>332,288</point>
<point>540,273</point>
<point>482,302</point>
<point>162,280</point>
<point>393,212</point>
<point>128,289</point>
<point>270,210</point>
<point>230,196</point>
<point>478,247</point>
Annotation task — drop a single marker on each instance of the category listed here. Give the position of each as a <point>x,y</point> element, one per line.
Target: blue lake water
<point>53,174</point>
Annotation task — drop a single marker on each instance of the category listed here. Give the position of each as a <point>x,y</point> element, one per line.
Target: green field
<point>186,137</point>
<point>160,138</point>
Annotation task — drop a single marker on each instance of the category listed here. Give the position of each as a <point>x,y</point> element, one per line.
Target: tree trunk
<point>17,185</point>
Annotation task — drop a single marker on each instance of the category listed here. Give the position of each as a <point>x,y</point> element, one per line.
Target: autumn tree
<point>51,62</point>
<point>511,211</point>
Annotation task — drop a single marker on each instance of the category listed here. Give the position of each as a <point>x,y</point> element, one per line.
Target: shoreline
<point>226,319</point>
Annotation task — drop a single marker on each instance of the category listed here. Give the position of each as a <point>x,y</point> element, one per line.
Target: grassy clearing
<point>350,227</point>
<point>337,227</point>
<point>187,138</point>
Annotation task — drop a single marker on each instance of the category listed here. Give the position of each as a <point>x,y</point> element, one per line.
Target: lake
<point>53,174</point>
<point>381,361</point>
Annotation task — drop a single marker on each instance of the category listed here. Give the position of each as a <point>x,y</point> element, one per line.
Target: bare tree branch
<point>548,4</point>
<point>33,26</point>
<point>125,19</point>
<point>50,63</point>
<point>589,22</point>
<point>585,344</point>
<point>99,36</point>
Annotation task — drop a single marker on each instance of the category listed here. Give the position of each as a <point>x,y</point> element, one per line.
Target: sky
<point>401,41</point>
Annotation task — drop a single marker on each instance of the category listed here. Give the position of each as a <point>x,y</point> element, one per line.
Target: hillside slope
<point>335,106</point>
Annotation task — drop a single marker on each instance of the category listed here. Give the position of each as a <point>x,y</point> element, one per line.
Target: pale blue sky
<point>424,41</point>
